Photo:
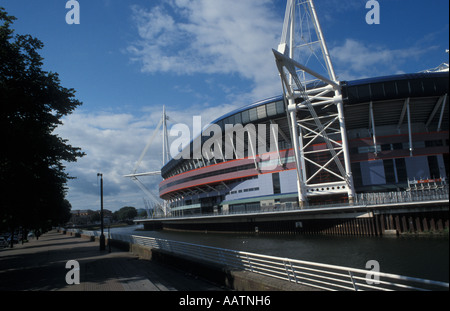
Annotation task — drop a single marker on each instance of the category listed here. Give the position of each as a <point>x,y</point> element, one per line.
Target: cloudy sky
<point>128,58</point>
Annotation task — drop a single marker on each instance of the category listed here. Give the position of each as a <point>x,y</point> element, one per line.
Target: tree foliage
<point>125,213</point>
<point>32,175</point>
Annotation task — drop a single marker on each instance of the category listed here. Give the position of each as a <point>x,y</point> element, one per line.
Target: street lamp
<point>102,236</point>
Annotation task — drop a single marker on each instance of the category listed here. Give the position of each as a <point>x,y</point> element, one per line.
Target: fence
<point>316,275</point>
<point>428,194</point>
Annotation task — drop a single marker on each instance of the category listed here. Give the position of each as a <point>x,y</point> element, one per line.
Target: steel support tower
<point>314,105</point>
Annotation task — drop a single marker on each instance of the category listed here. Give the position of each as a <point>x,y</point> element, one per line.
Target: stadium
<point>360,157</point>
<point>397,128</point>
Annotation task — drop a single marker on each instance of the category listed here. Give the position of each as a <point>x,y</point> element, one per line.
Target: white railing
<point>434,194</point>
<point>316,275</point>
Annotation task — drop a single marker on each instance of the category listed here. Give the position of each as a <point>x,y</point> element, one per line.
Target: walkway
<point>40,266</point>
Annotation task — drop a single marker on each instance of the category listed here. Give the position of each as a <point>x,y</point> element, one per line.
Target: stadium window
<point>367,149</point>
<point>433,143</point>
<point>389,171</point>
<point>397,146</point>
<point>280,107</point>
<point>276,183</point>
<point>385,147</point>
<point>253,114</point>
<point>271,109</point>
<point>229,120</point>
<point>356,172</point>
<point>261,111</point>
<point>402,174</point>
<point>245,117</point>
<point>433,165</point>
<point>363,149</point>
<point>419,144</point>
<point>220,123</point>
<point>237,118</point>
<point>446,161</point>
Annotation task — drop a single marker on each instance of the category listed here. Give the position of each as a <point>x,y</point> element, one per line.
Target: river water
<point>415,256</point>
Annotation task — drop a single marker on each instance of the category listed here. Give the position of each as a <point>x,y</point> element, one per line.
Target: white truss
<point>314,105</point>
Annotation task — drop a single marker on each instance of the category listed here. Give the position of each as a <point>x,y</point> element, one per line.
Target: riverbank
<point>40,265</point>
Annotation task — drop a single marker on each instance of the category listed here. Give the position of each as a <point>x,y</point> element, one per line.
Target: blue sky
<point>127,58</point>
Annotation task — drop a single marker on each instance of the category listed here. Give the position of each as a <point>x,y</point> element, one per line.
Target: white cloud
<point>113,144</point>
<point>210,37</point>
<point>355,59</point>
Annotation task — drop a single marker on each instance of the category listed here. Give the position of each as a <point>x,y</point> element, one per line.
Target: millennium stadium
<point>397,129</point>
<point>319,149</point>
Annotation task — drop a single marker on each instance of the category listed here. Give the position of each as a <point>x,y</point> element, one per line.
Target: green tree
<point>125,213</point>
<point>32,175</point>
<point>95,217</point>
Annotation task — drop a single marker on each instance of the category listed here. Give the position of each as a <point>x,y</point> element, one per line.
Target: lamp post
<point>102,236</point>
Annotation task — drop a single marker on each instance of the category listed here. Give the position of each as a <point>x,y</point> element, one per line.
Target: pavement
<point>40,265</point>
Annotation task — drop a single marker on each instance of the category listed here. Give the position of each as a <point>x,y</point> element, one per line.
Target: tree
<point>125,213</point>
<point>32,175</point>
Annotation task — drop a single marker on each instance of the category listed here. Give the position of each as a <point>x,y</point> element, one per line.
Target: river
<point>415,256</point>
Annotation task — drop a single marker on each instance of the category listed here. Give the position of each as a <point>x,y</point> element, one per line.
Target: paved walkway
<point>40,266</point>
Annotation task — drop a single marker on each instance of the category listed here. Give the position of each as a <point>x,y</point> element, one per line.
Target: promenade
<point>39,265</point>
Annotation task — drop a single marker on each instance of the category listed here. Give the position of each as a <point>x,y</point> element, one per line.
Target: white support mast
<point>165,158</point>
<point>166,150</point>
<point>316,114</point>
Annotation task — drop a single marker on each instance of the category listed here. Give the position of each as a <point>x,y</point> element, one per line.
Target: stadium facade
<point>397,132</point>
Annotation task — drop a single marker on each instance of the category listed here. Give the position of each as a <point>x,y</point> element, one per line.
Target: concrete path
<point>40,266</point>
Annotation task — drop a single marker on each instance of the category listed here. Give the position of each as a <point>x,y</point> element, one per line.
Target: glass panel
<point>401,170</point>
<point>276,183</point>
<point>389,172</point>
<point>245,117</point>
<point>261,112</point>
<point>237,118</point>
<point>271,109</point>
<point>253,114</point>
<point>280,107</point>
<point>230,120</point>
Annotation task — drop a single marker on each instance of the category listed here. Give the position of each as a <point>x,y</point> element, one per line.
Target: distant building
<point>87,217</point>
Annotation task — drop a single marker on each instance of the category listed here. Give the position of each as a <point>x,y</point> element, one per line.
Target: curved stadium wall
<point>397,128</point>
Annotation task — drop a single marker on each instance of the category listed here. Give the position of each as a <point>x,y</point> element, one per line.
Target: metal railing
<point>396,197</point>
<point>436,194</point>
<point>311,274</point>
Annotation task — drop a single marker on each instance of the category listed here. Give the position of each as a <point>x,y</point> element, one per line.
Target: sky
<point>128,58</point>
